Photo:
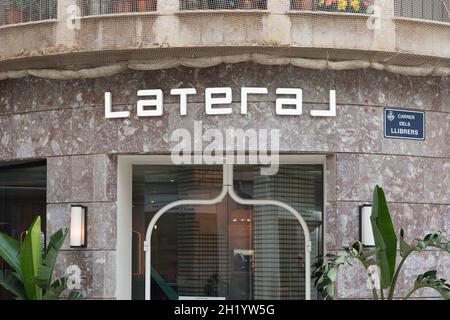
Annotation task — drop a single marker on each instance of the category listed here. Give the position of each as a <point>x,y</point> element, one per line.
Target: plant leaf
<point>10,282</point>
<point>436,239</point>
<point>9,251</point>
<point>405,248</point>
<point>30,259</point>
<point>74,295</point>
<point>44,275</point>
<point>429,280</point>
<point>55,290</point>
<point>384,236</point>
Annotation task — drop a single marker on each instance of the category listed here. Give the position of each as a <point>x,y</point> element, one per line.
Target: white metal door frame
<point>227,188</point>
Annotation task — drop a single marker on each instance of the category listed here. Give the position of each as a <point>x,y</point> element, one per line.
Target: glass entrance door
<point>226,250</point>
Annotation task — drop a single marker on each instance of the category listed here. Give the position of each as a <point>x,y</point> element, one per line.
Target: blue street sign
<point>404,124</point>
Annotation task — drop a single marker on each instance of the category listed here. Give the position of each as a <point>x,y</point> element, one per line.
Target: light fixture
<point>365,226</point>
<point>78,226</point>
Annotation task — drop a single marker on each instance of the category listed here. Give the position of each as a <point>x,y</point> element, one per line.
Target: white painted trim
<point>124,228</point>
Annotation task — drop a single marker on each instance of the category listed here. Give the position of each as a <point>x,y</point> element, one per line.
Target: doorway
<point>225,250</point>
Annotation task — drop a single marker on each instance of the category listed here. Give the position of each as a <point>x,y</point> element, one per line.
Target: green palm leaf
<point>430,280</point>
<point>30,259</point>
<point>44,275</point>
<point>384,236</point>
<point>10,282</point>
<point>55,290</point>
<point>9,251</point>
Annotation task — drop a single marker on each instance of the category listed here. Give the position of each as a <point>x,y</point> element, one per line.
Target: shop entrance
<point>225,235</point>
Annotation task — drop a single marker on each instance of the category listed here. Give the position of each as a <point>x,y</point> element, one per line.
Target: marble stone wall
<point>63,121</point>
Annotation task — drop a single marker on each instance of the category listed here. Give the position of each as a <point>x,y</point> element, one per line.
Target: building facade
<point>58,147</point>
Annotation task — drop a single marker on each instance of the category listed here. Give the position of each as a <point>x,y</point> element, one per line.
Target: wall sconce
<point>78,226</point>
<point>365,226</point>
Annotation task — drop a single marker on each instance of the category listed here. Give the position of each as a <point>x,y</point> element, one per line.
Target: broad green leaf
<point>405,248</point>
<point>30,260</point>
<point>55,290</point>
<point>74,295</point>
<point>45,271</point>
<point>332,274</point>
<point>11,283</point>
<point>330,291</point>
<point>9,251</point>
<point>429,280</point>
<point>436,240</point>
<point>384,236</point>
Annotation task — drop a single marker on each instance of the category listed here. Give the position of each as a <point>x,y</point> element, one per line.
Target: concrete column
<point>278,23</point>
<point>65,29</point>
<point>166,27</point>
<point>383,25</point>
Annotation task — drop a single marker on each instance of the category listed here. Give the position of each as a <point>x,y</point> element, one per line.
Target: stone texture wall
<point>63,121</point>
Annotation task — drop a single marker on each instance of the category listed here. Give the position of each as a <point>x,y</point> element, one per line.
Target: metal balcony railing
<point>348,6</point>
<point>434,10</point>
<point>223,4</point>
<point>99,7</point>
<point>20,11</point>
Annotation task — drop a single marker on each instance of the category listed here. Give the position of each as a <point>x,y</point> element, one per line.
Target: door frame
<point>125,165</point>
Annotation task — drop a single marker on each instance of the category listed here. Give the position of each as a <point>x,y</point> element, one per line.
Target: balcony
<point>187,5</point>
<point>110,7</point>
<point>100,32</point>
<point>22,11</point>
<point>333,6</point>
<point>427,10</point>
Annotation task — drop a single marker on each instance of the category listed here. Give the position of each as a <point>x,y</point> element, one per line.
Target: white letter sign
<point>158,103</point>
<point>183,93</point>
<point>245,92</point>
<point>210,101</point>
<point>109,114</point>
<point>297,102</point>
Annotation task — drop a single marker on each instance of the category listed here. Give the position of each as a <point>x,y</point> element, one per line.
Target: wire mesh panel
<point>223,4</point>
<point>96,7</point>
<point>436,10</point>
<point>317,34</point>
<point>19,11</point>
<point>349,6</point>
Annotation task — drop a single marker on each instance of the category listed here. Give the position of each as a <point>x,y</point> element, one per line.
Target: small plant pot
<point>123,6</point>
<point>246,4</point>
<point>146,5</point>
<point>13,16</point>
<point>304,5</point>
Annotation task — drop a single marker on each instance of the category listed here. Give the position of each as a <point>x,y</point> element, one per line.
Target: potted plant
<point>146,5</point>
<point>351,6</point>
<point>14,12</point>
<point>246,4</point>
<point>30,273</point>
<point>380,262</point>
<point>305,5</point>
<point>122,6</point>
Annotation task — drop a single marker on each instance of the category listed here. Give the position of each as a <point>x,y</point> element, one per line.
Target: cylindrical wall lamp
<point>365,226</point>
<point>78,226</point>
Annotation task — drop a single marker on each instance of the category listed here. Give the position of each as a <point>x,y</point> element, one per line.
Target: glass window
<point>226,250</point>
<point>22,198</point>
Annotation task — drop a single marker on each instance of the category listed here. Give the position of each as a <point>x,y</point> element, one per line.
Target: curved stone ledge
<point>124,36</point>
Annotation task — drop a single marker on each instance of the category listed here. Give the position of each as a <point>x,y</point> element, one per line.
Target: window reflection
<point>226,250</point>
<point>22,198</point>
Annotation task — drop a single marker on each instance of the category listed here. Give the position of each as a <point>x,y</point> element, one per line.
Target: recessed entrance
<point>224,250</point>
